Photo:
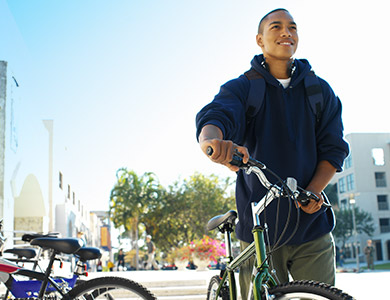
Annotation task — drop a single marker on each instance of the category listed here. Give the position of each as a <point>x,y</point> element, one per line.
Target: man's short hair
<point>260,29</point>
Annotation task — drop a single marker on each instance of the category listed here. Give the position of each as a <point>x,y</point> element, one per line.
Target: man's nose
<point>286,32</point>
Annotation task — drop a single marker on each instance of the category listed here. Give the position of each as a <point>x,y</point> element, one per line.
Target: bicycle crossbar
<point>240,259</point>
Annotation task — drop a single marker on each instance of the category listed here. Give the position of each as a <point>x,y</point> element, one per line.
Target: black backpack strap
<point>314,94</point>
<point>256,93</point>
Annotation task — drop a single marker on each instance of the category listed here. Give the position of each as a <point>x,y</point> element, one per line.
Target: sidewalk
<point>362,286</point>
<point>352,267</point>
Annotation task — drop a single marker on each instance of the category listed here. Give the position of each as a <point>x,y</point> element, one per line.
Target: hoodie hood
<point>302,67</point>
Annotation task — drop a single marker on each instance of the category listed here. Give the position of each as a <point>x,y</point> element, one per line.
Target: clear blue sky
<point>123,80</point>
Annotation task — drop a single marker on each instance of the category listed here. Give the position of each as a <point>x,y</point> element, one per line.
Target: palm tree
<point>129,201</point>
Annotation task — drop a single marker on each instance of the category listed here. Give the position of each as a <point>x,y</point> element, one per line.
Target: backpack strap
<point>256,93</point>
<point>314,94</point>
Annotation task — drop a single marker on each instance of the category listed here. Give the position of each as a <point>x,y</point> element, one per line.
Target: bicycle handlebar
<point>255,166</point>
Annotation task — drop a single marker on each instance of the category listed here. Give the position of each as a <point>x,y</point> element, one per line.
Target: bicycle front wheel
<point>110,288</point>
<point>213,287</point>
<point>305,289</point>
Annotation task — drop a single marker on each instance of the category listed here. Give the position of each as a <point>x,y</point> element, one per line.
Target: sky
<point>123,80</point>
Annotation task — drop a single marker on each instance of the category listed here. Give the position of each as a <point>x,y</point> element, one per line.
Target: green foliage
<point>173,216</point>
<point>186,208</point>
<point>331,192</point>
<point>344,224</point>
<point>132,197</point>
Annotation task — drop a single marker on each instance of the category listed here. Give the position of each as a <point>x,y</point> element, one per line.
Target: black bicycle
<point>24,283</point>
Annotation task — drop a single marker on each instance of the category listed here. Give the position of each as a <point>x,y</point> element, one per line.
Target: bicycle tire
<point>109,288</point>
<point>212,290</point>
<point>307,289</point>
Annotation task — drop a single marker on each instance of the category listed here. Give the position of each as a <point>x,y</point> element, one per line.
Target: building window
<point>378,156</point>
<point>60,184</point>
<point>384,225</point>
<point>383,204</point>
<point>68,191</point>
<point>343,204</point>
<point>74,198</point>
<point>380,179</point>
<point>350,182</point>
<point>348,162</point>
<point>342,185</point>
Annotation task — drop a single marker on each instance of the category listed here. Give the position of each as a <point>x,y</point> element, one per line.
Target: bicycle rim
<point>212,290</point>
<point>110,288</point>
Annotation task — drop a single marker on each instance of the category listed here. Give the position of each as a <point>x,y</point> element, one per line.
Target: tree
<point>331,192</point>
<point>172,216</point>
<point>130,199</point>
<point>183,210</point>
<point>344,224</point>
<point>205,197</point>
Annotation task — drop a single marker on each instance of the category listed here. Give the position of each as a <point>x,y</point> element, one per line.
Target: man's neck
<point>280,69</point>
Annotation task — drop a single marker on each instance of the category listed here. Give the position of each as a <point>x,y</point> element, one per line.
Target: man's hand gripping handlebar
<point>255,166</point>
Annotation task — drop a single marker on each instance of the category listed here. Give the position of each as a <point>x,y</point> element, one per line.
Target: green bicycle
<point>264,286</point>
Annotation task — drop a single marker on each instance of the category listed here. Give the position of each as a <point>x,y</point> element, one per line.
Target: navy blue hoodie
<point>282,135</point>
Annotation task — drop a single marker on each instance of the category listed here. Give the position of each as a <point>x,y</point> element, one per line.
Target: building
<point>365,179</point>
<point>36,192</point>
<point>23,162</point>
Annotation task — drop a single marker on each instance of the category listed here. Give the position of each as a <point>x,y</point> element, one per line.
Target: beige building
<point>366,180</point>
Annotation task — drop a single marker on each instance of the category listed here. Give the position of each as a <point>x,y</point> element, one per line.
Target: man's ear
<point>259,40</point>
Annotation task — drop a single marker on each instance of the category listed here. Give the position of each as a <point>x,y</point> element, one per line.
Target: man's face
<point>279,37</point>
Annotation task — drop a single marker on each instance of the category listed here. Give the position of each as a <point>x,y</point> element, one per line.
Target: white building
<point>36,193</point>
<point>366,179</point>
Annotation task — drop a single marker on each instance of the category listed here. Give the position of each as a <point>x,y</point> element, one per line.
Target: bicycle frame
<point>261,278</point>
<point>32,288</point>
<point>261,273</point>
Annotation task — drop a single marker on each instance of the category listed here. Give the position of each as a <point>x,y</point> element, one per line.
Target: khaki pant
<point>151,262</point>
<point>314,260</point>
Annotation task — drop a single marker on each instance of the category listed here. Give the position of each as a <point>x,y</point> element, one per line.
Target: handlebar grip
<point>237,157</point>
<point>305,197</point>
<point>209,151</point>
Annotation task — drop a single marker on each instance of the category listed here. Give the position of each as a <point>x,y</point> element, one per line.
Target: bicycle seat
<point>28,237</point>
<point>88,253</point>
<point>228,218</point>
<point>22,252</point>
<point>63,245</point>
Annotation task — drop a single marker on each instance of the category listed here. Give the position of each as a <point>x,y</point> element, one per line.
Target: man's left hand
<point>313,205</point>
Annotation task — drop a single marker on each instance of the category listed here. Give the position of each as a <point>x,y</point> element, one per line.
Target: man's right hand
<point>223,150</point>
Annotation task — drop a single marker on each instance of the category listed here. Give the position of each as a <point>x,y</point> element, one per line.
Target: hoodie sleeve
<point>227,110</point>
<point>331,145</point>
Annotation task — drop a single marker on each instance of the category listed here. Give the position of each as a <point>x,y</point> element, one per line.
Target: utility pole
<point>352,201</point>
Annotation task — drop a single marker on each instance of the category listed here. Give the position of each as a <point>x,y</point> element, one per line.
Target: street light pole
<point>352,202</point>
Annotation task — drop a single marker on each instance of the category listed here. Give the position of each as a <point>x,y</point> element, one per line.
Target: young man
<point>151,254</point>
<point>286,136</point>
<point>369,251</point>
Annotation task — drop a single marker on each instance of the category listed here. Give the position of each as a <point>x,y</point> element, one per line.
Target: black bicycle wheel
<point>306,289</point>
<point>213,287</point>
<point>109,288</point>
